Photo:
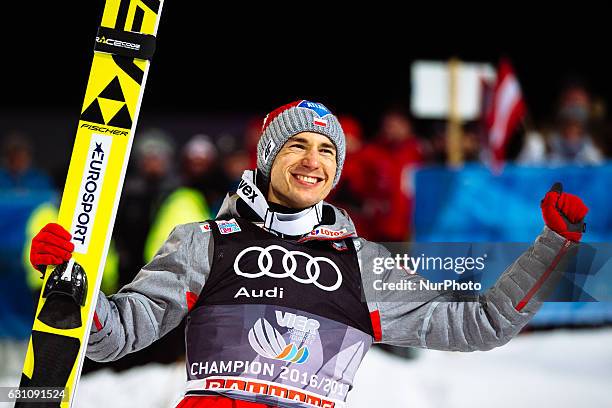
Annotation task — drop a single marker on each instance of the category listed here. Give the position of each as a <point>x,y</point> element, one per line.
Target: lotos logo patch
<point>228,227</point>
<point>326,232</point>
<point>317,108</point>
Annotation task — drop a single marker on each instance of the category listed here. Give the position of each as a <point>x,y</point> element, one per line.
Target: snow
<point>556,369</point>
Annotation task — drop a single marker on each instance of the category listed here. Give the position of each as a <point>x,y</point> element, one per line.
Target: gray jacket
<point>157,299</point>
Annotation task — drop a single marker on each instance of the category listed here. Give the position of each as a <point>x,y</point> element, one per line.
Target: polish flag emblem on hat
<point>320,122</point>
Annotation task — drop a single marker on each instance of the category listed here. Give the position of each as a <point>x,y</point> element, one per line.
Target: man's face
<point>303,171</point>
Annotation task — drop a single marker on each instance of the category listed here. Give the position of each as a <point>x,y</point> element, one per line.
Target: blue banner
<point>472,204</point>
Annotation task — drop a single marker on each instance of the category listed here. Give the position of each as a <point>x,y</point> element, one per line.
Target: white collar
<point>299,223</point>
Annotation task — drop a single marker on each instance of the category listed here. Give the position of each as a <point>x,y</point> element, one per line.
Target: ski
<point>123,49</point>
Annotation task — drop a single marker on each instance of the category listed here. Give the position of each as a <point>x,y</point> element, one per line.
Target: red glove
<point>51,246</point>
<point>564,213</point>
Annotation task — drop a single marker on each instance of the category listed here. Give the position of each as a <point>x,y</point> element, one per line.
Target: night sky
<point>209,60</point>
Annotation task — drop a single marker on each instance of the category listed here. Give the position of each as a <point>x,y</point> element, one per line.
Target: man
<point>391,160</point>
<point>277,291</point>
<point>18,174</point>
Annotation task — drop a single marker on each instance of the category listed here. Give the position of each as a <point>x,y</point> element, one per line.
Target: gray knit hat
<point>291,119</point>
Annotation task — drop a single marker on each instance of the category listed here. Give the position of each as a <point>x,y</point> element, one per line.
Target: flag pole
<point>454,149</point>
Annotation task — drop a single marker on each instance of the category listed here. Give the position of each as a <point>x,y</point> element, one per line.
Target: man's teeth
<point>311,180</point>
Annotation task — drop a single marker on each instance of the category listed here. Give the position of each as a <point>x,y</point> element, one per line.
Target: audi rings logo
<point>290,264</point>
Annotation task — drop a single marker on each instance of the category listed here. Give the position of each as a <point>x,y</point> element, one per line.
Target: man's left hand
<point>564,213</point>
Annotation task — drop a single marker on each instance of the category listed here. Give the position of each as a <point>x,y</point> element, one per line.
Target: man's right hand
<point>51,246</point>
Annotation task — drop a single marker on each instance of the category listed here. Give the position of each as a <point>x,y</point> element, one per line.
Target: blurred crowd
<point>168,184</point>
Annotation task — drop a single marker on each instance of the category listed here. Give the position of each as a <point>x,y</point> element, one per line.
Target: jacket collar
<point>322,221</point>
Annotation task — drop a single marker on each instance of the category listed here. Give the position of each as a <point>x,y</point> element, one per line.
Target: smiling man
<point>278,289</point>
<point>304,171</point>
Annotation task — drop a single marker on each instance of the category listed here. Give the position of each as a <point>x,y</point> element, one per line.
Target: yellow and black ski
<point>123,49</point>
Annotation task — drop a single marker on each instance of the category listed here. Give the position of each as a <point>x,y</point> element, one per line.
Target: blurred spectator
<point>471,142</point>
<point>201,171</point>
<point>201,178</point>
<point>251,138</point>
<point>144,193</point>
<point>570,142</point>
<point>434,147</point>
<point>352,189</point>
<point>234,165</point>
<point>388,164</point>
<point>17,172</point>
<point>142,196</point>
<point>235,158</point>
<point>534,149</point>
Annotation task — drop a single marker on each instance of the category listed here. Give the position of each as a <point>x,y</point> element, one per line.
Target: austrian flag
<point>320,122</point>
<point>506,111</point>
